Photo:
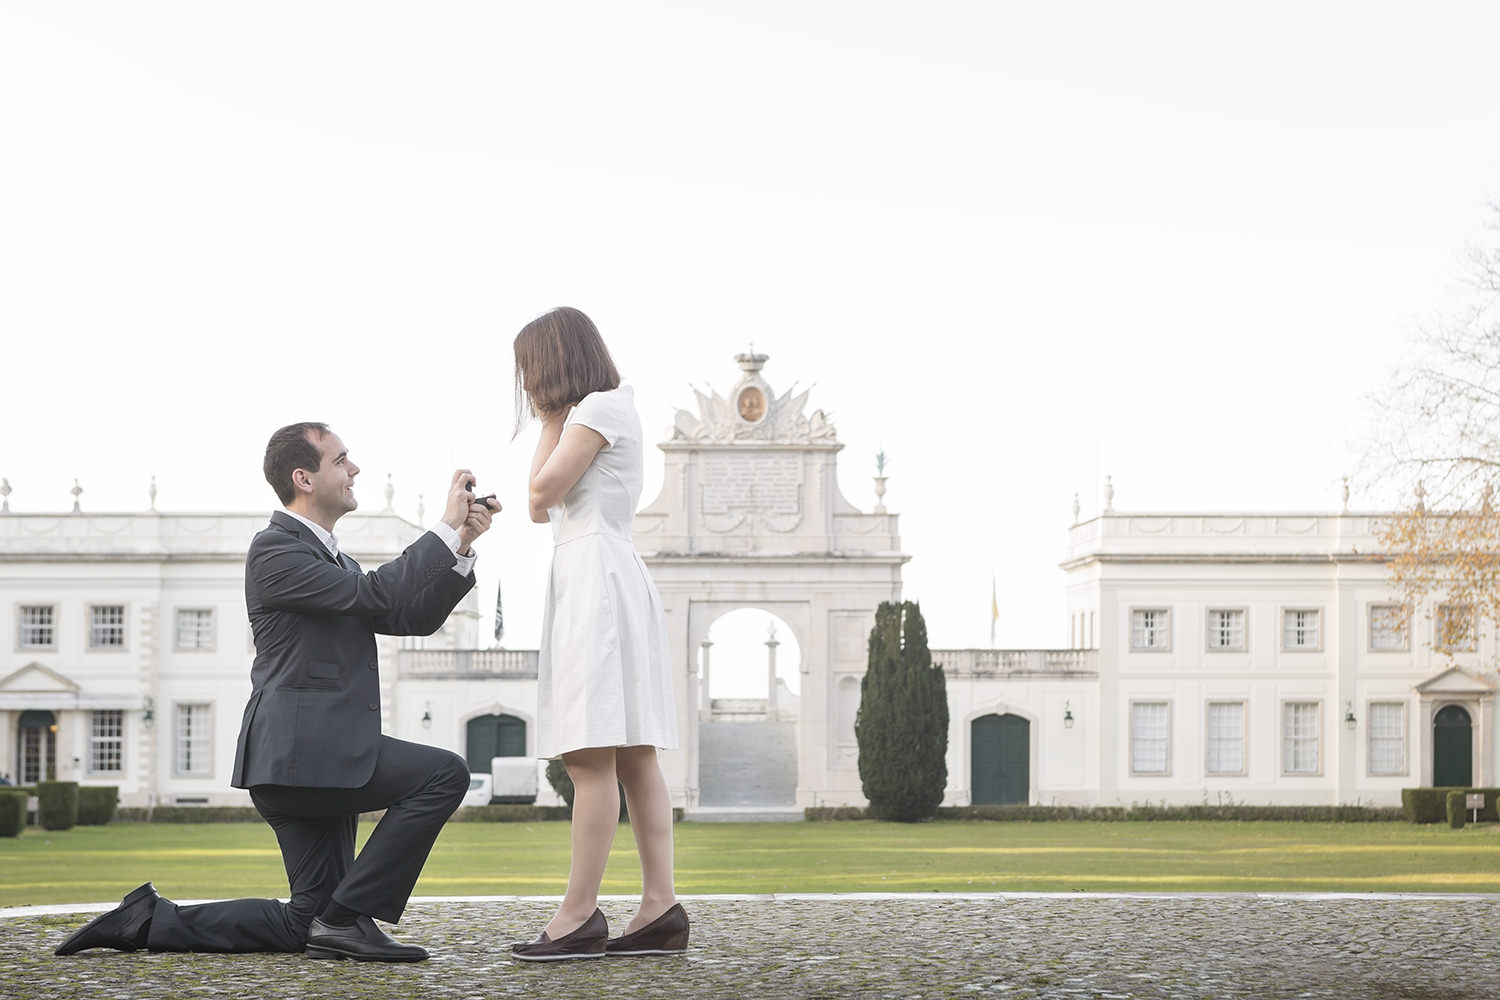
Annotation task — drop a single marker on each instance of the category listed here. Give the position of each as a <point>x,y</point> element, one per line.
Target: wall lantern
<point>427,717</point>
<point>1067,715</point>
<point>147,714</point>
<point>1349,720</point>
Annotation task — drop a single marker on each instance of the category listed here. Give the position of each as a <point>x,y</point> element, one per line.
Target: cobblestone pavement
<point>1264,947</point>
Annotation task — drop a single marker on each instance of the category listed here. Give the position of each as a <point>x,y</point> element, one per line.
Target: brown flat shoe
<point>666,935</point>
<point>585,942</point>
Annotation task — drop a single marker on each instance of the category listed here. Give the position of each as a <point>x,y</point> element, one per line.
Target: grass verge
<point>221,860</point>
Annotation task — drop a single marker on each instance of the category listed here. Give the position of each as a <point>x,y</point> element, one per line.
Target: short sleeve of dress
<point>603,412</point>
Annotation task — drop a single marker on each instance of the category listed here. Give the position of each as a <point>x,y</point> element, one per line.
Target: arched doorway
<point>1452,748</point>
<point>493,736</point>
<point>37,753</point>
<point>999,760</point>
<point>747,722</point>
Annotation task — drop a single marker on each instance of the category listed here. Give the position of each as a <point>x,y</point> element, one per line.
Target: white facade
<point>125,647</point>
<point>1222,658</point>
<point>1260,658</point>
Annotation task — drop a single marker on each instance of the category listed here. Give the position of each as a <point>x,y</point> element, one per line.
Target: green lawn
<point>95,864</point>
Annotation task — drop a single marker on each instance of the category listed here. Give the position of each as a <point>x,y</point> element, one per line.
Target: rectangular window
<point>107,741</point>
<point>1453,628</point>
<point>1387,730</point>
<point>1389,628</point>
<point>38,626</point>
<point>194,738</point>
<point>107,626</point>
<point>195,628</point>
<point>1148,629</point>
<point>1299,629</point>
<point>1299,737</point>
<point>1226,628</point>
<point>1226,737</point>
<point>1149,733</point>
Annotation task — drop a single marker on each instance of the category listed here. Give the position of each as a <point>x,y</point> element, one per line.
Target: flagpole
<point>994,610</point>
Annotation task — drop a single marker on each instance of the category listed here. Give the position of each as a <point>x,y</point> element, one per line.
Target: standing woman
<point>604,683</point>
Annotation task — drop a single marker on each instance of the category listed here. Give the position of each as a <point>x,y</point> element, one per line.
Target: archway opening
<point>747,648</point>
<point>750,704</point>
<point>1452,748</point>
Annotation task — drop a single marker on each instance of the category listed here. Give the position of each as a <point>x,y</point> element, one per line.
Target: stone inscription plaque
<point>763,488</point>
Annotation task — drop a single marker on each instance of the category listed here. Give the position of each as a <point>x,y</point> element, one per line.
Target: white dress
<point>604,673</point>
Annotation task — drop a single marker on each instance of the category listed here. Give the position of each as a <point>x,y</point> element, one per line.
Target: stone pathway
<point>1194,947</point>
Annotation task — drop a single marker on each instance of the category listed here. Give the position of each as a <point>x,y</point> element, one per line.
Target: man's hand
<point>460,500</point>
<point>476,524</point>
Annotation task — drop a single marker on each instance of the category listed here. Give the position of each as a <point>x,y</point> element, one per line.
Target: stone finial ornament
<point>151,494</point>
<point>77,492</point>
<point>5,496</point>
<point>390,492</point>
<point>1109,495</point>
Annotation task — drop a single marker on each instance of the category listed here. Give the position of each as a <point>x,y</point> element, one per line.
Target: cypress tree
<point>902,725</point>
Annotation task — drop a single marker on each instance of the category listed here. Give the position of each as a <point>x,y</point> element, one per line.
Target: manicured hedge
<point>57,804</point>
<point>190,814</point>
<point>509,813</point>
<point>96,804</point>
<point>1138,813</point>
<point>1430,805</point>
<point>12,812</point>
<point>1454,805</point>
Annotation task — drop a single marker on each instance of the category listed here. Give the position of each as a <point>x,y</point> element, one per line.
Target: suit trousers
<point>418,786</point>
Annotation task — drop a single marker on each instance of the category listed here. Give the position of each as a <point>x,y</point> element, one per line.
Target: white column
<point>772,713</point>
<point>705,703</point>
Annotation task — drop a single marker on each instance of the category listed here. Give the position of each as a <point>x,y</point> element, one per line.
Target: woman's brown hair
<point>560,358</point>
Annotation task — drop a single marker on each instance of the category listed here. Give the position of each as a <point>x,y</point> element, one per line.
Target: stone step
<point>745,814</point>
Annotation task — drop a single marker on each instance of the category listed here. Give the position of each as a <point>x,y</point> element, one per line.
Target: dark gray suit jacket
<point>313,719</point>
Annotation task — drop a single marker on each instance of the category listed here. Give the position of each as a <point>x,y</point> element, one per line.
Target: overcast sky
<point>1018,247</point>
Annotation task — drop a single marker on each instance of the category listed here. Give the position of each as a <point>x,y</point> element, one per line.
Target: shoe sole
<point>648,951</point>
<point>557,958</point>
<point>315,951</point>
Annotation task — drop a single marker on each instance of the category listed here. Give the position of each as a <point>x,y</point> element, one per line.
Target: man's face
<point>333,483</point>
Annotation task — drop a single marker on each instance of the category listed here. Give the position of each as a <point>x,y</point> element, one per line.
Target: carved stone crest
<point>752,412</point>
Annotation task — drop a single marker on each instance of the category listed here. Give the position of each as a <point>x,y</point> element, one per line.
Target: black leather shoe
<point>123,928</point>
<point>361,941</point>
<point>585,942</point>
<point>666,935</point>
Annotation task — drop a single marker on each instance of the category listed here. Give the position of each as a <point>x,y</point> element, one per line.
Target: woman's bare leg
<point>596,814</point>
<point>650,807</point>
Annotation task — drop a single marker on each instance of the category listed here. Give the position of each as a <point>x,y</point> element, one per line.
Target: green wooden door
<point>1452,748</point>
<point>1000,760</point>
<point>494,736</point>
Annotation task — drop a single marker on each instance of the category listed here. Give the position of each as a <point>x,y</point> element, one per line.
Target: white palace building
<point>1234,658</point>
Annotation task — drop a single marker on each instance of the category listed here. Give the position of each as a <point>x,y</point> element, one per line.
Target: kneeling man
<point>310,748</point>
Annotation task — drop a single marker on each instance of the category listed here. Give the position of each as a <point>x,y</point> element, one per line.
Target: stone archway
<point>750,514</point>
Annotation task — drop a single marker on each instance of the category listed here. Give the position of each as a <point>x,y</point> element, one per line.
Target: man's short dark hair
<point>290,449</point>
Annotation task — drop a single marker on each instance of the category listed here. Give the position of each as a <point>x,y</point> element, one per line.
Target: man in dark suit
<point>310,748</point>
